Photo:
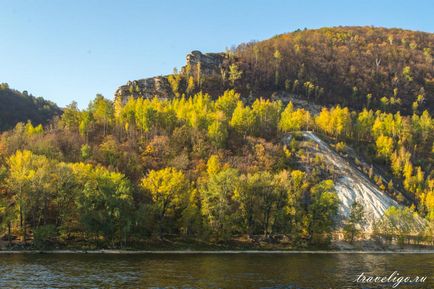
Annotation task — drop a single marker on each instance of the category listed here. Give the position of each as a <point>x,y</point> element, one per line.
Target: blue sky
<point>71,50</point>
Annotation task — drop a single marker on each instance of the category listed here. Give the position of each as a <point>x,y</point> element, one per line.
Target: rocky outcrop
<point>210,65</point>
<point>149,87</point>
<point>352,185</point>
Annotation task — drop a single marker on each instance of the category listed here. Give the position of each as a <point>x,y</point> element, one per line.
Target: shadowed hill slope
<point>18,106</point>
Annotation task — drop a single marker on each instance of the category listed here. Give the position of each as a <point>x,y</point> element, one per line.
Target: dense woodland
<point>390,69</point>
<point>123,172</point>
<point>212,163</point>
<point>18,106</point>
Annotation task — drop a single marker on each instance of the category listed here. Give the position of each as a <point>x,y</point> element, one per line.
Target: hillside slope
<point>352,185</point>
<point>358,67</point>
<point>18,106</point>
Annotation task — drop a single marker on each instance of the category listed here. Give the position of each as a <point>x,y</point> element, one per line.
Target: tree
<point>105,202</point>
<point>31,179</point>
<point>227,102</point>
<point>364,123</point>
<point>219,206</point>
<point>33,130</point>
<point>278,59</point>
<point>322,212</point>
<point>335,122</point>
<point>243,120</point>
<point>145,114</point>
<point>71,116</point>
<point>398,223</point>
<point>384,146</point>
<point>175,83</point>
<point>218,133</point>
<point>21,173</point>
<point>258,196</point>
<point>190,86</point>
<point>102,111</point>
<point>85,124</point>
<point>294,120</point>
<point>7,208</point>
<point>266,114</point>
<point>354,223</point>
<point>234,74</point>
<point>168,188</point>
<point>406,72</point>
<point>213,165</point>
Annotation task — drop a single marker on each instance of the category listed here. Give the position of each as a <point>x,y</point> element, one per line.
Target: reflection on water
<point>208,271</point>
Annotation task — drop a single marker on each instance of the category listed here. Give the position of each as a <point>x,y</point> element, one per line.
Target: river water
<point>335,271</point>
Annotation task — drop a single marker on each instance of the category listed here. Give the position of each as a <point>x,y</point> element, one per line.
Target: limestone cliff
<point>208,65</point>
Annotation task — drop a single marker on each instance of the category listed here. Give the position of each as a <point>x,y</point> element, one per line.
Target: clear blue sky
<point>71,50</point>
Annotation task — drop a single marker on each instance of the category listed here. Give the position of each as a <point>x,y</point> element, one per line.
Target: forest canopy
<point>357,67</point>
<point>123,172</point>
<point>223,154</point>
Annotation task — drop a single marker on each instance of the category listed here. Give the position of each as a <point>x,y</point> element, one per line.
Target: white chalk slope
<point>352,185</point>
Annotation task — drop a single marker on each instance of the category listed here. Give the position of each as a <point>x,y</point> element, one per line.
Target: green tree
<point>102,111</point>
<point>355,222</point>
<point>168,188</point>
<point>398,223</point>
<point>218,133</point>
<point>259,196</point>
<point>219,206</point>
<point>71,116</point>
<point>322,212</point>
<point>21,173</point>
<point>105,202</point>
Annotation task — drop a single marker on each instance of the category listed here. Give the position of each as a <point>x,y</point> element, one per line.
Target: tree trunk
<point>9,234</point>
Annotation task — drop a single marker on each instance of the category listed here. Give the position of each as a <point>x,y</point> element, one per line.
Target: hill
<point>311,161</point>
<point>18,106</point>
<point>391,69</point>
<point>217,171</point>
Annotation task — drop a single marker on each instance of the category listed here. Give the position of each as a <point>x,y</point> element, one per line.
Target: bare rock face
<point>149,87</point>
<point>352,185</point>
<point>210,65</point>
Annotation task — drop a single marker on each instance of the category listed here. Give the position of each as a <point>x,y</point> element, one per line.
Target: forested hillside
<point>118,174</point>
<point>18,106</point>
<point>358,67</point>
<point>218,152</point>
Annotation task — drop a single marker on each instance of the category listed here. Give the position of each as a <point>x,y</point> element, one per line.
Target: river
<point>303,270</point>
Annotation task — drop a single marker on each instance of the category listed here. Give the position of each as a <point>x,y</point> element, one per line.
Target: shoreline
<point>211,252</point>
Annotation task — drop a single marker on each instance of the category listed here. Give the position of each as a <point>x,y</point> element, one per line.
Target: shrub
<point>43,235</point>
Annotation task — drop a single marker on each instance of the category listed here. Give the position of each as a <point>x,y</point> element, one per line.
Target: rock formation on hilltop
<point>208,65</point>
<point>391,69</point>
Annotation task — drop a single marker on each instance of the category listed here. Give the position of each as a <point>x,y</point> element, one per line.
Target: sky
<point>71,50</point>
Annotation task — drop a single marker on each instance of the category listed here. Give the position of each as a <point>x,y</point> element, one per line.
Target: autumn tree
<point>234,74</point>
<point>294,119</point>
<point>168,189</point>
